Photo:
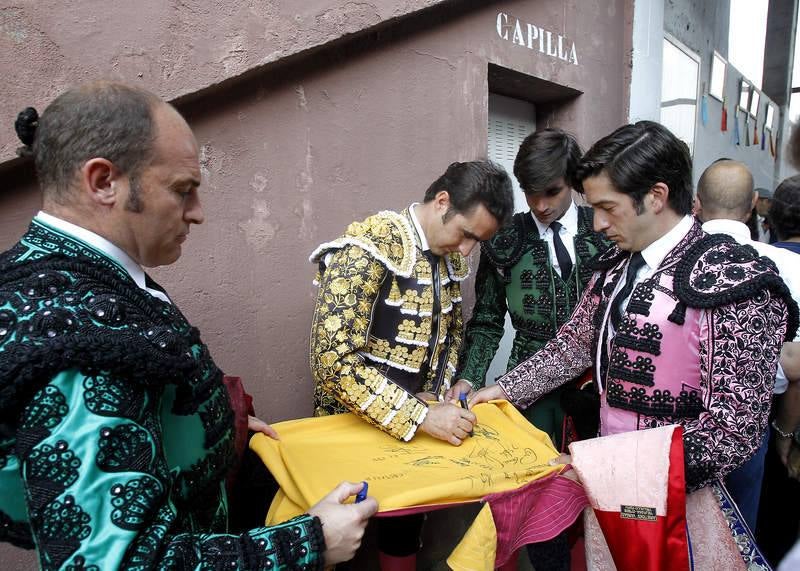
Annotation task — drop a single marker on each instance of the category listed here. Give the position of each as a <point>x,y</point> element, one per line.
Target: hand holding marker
<point>462,398</point>
<point>362,495</point>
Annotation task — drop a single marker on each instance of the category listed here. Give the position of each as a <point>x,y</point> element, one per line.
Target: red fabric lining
<point>535,512</point>
<point>659,545</point>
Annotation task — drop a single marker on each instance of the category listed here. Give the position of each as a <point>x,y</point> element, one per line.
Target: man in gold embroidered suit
<point>387,324</point>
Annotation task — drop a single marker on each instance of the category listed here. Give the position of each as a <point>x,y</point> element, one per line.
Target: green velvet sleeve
<point>101,494</point>
<point>484,330</point>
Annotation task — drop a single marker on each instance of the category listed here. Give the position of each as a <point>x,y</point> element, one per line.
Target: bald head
<point>725,191</point>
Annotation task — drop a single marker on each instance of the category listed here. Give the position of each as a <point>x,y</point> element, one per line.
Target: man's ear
<point>697,207</point>
<point>660,195</point>
<point>442,201</point>
<point>754,201</point>
<point>102,181</point>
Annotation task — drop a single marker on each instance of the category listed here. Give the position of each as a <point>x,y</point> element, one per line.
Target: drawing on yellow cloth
<point>314,454</point>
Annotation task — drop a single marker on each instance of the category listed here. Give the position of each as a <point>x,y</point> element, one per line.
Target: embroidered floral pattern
<point>381,334</point>
<point>340,332</point>
<point>515,276</point>
<point>134,501</point>
<point>74,403</point>
<point>742,536</point>
<point>745,325</point>
<point>562,358</point>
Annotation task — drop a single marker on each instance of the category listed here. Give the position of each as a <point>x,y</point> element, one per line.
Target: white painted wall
<point>648,26</point>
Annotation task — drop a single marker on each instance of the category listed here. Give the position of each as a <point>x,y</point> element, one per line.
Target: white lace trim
<point>369,247</point>
<point>413,430</point>
<point>452,271</point>
<point>391,415</point>
<point>372,357</point>
<point>405,341</point>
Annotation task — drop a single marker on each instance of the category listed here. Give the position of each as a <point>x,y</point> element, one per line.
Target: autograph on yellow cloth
<point>314,454</point>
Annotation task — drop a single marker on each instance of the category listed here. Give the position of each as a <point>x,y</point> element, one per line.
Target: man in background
<point>777,526</point>
<point>765,232</point>
<point>535,269</point>
<point>725,198</point>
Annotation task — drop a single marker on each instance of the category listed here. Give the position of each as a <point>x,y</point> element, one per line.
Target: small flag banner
<point>736,138</point>
<point>755,133</point>
<point>704,109</point>
<point>724,123</point>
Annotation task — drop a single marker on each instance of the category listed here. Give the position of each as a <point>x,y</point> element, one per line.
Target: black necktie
<point>436,314</point>
<point>564,261</point>
<point>634,265</point>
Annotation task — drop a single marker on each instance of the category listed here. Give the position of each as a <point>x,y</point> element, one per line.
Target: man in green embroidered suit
<point>387,325</point>
<point>116,429</point>
<point>535,269</point>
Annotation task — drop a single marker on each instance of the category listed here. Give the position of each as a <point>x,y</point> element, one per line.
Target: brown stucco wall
<point>175,48</point>
<point>295,152</point>
<point>292,159</point>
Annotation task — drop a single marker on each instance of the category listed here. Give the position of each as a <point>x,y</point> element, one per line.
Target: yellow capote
<point>314,454</point>
<point>477,549</point>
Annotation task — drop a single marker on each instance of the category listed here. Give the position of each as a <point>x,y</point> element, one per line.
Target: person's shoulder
<point>608,257</point>
<point>787,263</point>
<point>716,270</point>
<point>506,247</point>
<point>793,247</point>
<point>386,236</point>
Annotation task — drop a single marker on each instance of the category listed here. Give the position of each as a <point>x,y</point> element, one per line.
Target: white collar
<point>422,240</point>
<point>97,242</point>
<point>733,228</point>
<point>655,253</point>
<point>568,221</point>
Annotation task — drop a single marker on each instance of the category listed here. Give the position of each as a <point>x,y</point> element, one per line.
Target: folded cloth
<point>242,406</point>
<point>718,538</point>
<point>314,454</point>
<point>636,486</point>
<point>538,511</point>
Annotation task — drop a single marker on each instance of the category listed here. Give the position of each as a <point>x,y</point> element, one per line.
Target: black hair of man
<point>472,183</point>
<point>784,212</point>
<point>637,156</point>
<point>544,157</point>
<point>97,120</point>
<point>725,191</point>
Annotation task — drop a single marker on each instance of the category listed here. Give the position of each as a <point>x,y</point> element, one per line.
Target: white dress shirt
<point>567,232</point>
<point>655,253</point>
<point>422,239</point>
<point>103,246</point>
<point>763,233</point>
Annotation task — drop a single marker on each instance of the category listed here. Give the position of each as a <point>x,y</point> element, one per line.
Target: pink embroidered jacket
<point>698,346</point>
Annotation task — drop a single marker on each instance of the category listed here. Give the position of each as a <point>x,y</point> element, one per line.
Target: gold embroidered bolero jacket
<point>387,324</point>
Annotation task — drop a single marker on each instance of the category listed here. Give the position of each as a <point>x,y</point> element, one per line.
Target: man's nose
<point>539,204</point>
<point>600,222</point>
<point>194,211</point>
